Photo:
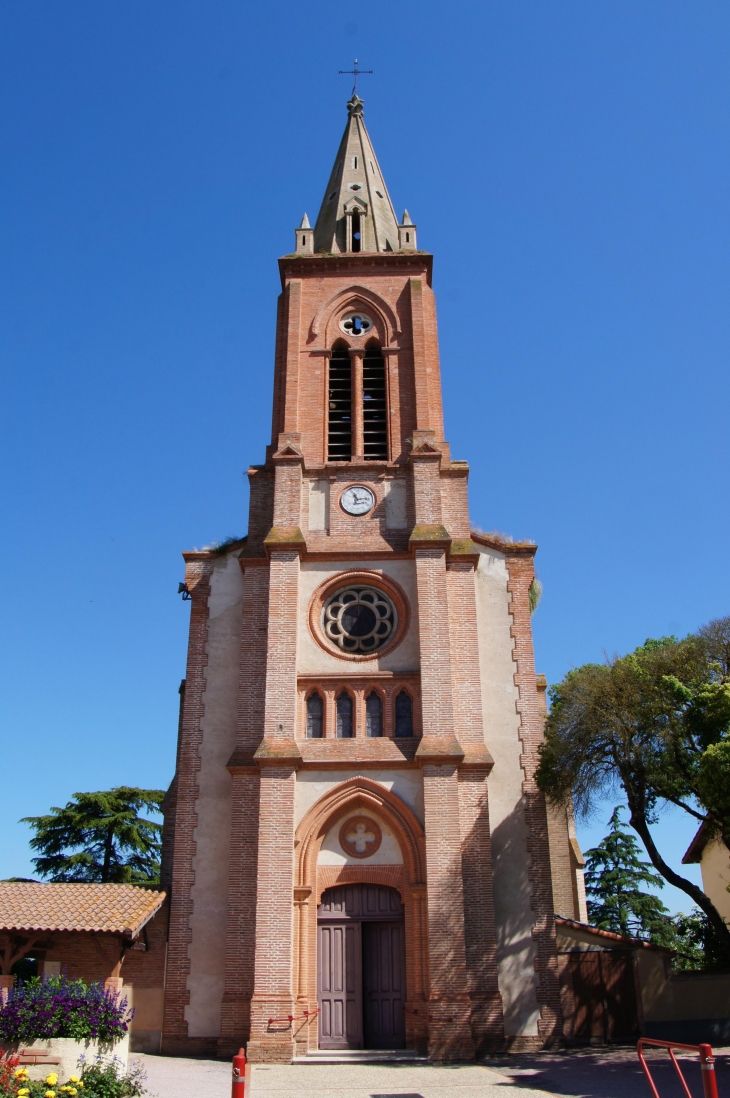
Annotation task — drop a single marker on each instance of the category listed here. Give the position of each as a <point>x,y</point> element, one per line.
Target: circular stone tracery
<point>359,619</point>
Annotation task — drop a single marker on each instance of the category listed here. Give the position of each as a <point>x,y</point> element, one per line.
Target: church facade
<point>356,853</point>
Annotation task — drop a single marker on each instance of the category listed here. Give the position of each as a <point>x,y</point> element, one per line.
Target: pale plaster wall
<point>319,504</point>
<point>516,950</point>
<point>715,866</point>
<point>213,806</point>
<point>396,516</point>
<point>313,660</point>
<point>313,784</point>
<point>388,853</point>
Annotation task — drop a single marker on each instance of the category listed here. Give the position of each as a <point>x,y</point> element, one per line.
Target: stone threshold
<point>362,1056</point>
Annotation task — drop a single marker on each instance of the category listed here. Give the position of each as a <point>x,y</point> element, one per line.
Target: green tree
<point>655,725</point>
<point>696,943</point>
<point>616,881</point>
<point>100,837</point>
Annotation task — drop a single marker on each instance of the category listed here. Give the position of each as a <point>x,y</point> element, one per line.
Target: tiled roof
<point>598,932</point>
<point>115,908</point>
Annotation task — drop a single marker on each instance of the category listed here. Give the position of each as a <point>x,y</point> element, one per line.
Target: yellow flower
<point>72,1091</point>
<point>73,1078</point>
<point>50,1094</point>
<point>20,1071</point>
<point>52,1079</point>
<point>23,1090</point>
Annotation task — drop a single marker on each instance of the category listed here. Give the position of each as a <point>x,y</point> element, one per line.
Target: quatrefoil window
<point>359,619</point>
<point>356,324</point>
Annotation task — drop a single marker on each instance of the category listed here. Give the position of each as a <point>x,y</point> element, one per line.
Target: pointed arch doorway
<point>361,971</point>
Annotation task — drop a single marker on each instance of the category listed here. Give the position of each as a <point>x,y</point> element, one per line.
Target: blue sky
<point>566,163</point>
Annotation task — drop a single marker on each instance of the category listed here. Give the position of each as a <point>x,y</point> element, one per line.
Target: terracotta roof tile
<point>115,908</point>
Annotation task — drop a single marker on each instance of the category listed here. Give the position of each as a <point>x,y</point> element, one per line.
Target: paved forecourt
<point>381,1081</point>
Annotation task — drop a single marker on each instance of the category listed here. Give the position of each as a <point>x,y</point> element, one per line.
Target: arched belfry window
<point>344,717</point>
<point>375,420</point>
<point>339,424</point>
<point>374,714</point>
<point>404,714</point>
<point>356,243</point>
<point>315,715</point>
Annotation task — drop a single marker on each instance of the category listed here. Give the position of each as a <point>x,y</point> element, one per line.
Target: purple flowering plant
<point>58,1007</point>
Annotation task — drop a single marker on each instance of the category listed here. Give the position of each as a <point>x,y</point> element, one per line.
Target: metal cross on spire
<point>355,71</point>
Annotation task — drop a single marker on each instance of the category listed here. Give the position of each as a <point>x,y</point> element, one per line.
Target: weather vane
<point>355,71</point>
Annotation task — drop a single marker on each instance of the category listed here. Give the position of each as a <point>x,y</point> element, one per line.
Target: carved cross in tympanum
<point>360,838</point>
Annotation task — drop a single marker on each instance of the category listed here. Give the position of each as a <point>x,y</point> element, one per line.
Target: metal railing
<point>707,1064</point>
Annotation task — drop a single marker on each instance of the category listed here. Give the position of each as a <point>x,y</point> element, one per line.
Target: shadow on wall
<point>516,948</point>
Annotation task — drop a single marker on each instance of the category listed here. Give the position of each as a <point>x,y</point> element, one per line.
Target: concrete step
<point>362,1056</point>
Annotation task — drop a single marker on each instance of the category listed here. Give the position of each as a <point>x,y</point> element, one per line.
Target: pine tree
<point>100,837</point>
<point>616,882</point>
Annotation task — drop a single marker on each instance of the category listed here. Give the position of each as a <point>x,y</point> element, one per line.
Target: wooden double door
<point>604,994</point>
<point>361,968</point>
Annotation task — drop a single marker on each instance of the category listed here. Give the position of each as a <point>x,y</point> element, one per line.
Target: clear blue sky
<point>567,163</point>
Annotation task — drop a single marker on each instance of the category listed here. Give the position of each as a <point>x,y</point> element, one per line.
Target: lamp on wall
<point>182,589</point>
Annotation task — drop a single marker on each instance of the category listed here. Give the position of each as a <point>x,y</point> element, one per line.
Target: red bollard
<point>238,1086</point>
<point>709,1079</point>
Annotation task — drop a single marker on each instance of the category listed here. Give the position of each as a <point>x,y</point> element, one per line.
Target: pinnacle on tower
<point>356,213</point>
<point>305,222</point>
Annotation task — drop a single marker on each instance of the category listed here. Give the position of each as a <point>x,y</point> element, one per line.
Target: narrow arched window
<point>375,420</point>
<point>404,714</point>
<point>315,712</point>
<point>344,717</point>
<point>356,241</point>
<point>374,715</point>
<point>339,425</point>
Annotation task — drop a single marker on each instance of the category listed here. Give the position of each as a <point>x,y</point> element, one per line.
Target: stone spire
<point>356,200</point>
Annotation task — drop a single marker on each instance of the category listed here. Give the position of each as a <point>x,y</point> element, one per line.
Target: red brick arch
<point>409,880</point>
<point>353,298</point>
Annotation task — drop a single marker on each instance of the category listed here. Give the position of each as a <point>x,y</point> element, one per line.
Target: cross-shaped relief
<point>360,838</point>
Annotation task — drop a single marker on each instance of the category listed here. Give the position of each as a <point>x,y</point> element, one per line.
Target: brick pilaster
<point>277,757</point>
<point>425,358</point>
<point>439,753</point>
<point>293,294</point>
<point>487,1022</point>
<point>450,1036</point>
<point>241,921</point>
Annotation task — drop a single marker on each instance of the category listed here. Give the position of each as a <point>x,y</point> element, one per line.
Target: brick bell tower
<point>356,851</point>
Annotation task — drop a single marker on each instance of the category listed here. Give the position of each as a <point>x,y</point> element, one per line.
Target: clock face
<point>357,500</point>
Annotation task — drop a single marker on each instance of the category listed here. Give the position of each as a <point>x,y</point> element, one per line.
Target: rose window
<point>359,619</point>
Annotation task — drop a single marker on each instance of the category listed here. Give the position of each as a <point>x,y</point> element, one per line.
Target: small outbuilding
<point>113,934</point>
<point>615,988</point>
